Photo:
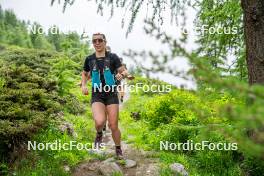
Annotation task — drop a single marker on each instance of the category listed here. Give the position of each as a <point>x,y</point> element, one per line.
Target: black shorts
<point>105,98</point>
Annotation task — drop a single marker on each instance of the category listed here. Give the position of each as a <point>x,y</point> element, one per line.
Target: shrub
<point>252,166</point>
<point>25,105</point>
<point>176,106</point>
<point>220,162</point>
<point>29,97</point>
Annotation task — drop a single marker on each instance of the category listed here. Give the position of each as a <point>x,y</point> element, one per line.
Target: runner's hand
<point>84,90</point>
<point>119,76</point>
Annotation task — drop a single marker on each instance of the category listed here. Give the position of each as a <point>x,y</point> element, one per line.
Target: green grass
<point>146,137</point>
<point>137,132</point>
<point>48,162</point>
<point>52,162</point>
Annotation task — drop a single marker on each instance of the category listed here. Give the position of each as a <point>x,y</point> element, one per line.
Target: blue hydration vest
<point>108,76</point>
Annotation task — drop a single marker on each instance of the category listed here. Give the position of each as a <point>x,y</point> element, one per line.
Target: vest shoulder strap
<point>93,62</point>
<point>107,59</point>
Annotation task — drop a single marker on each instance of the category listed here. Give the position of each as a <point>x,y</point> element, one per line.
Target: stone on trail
<point>97,152</point>
<point>110,152</point>
<point>94,166</point>
<point>88,168</point>
<point>178,168</point>
<point>130,163</point>
<point>109,160</point>
<point>151,169</point>
<point>147,154</point>
<point>127,162</point>
<point>109,167</point>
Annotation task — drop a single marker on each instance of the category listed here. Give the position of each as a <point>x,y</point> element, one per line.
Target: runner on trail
<point>105,69</point>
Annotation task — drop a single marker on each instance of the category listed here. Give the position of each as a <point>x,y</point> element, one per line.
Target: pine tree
<point>10,18</point>
<point>38,37</point>
<point>55,38</point>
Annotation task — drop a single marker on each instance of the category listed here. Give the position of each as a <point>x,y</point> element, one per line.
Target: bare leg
<point>99,115</point>
<point>112,111</point>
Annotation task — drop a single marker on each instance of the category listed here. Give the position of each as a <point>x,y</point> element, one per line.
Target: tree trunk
<point>254,38</point>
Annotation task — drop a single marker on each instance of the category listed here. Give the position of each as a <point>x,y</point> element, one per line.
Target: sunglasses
<point>97,40</point>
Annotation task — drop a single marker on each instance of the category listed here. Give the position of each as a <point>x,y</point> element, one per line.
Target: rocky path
<point>136,162</point>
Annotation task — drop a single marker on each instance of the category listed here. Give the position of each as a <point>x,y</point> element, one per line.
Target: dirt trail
<point>145,165</point>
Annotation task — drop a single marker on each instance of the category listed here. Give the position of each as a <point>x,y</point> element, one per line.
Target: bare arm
<point>85,77</point>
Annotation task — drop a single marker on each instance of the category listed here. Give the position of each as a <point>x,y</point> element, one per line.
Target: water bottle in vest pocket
<point>96,78</point>
<point>109,77</point>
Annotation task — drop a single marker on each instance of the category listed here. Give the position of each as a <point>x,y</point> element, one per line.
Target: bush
<point>26,106</point>
<point>73,105</point>
<point>180,116</point>
<point>29,96</point>
<point>252,166</point>
<point>176,107</point>
<point>63,71</point>
<point>219,162</point>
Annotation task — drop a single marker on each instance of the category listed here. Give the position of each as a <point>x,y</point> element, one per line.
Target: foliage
<point>63,71</point>
<point>181,116</point>
<point>228,41</point>
<point>155,7</point>
<point>35,87</point>
<point>38,38</point>
<point>12,30</point>
<point>28,99</point>
<point>30,96</point>
<point>247,115</point>
<point>175,106</point>
<point>46,162</point>
<point>70,43</point>
<point>52,162</point>
<point>223,109</point>
<point>32,35</point>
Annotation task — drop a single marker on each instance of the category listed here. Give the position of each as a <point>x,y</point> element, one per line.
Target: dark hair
<point>101,35</point>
